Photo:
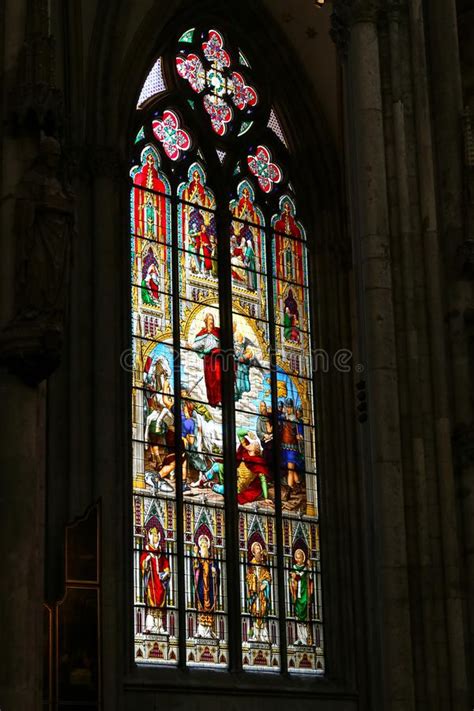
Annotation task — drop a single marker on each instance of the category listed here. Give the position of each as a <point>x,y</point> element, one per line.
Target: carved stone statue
<point>31,343</point>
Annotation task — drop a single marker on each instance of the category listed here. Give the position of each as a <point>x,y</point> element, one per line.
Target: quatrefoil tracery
<point>220,85</point>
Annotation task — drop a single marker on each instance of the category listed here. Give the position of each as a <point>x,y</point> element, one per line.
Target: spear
<point>195,385</point>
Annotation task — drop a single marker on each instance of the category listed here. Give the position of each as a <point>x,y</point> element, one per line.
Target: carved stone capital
<point>347,13</point>
<point>340,26</point>
<point>365,11</point>
<point>394,8</point>
<point>32,351</point>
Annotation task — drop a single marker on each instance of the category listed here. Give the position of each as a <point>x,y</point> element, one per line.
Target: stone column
<point>40,228</point>
<point>110,392</point>
<point>381,440</point>
<point>447,97</point>
<point>34,208</point>
<point>434,263</point>
<point>430,657</point>
<point>22,442</point>
<point>21,476</point>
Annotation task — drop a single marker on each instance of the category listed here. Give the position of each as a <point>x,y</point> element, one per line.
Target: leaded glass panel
<point>222,398</point>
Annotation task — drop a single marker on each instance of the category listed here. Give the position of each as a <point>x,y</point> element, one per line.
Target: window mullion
<point>228,415</point>
<point>276,452</point>
<point>178,438</point>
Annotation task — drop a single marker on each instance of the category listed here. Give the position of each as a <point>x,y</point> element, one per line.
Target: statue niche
<point>30,345</point>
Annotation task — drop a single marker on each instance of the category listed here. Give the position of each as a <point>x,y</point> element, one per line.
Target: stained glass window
<point>274,125</point>
<point>212,72</point>
<point>225,496</point>
<point>154,84</point>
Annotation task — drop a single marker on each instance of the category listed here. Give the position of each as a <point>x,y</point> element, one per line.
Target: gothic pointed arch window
<point>225,499</point>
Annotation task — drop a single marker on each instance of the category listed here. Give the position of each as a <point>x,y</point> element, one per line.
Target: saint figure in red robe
<point>195,191</point>
<point>252,483</point>
<point>207,346</point>
<point>155,569</point>
<point>245,208</point>
<point>288,251</point>
<point>150,212</point>
<point>206,248</point>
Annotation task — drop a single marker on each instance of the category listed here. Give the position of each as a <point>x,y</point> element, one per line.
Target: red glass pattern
<point>266,172</point>
<point>222,86</point>
<point>174,139</point>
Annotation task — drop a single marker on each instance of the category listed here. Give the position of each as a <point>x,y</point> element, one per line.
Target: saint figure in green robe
<point>301,592</point>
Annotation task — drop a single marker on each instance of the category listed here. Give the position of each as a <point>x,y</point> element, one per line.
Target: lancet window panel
<point>225,484</point>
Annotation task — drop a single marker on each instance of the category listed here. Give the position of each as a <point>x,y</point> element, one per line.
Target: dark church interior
<point>237,355</point>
